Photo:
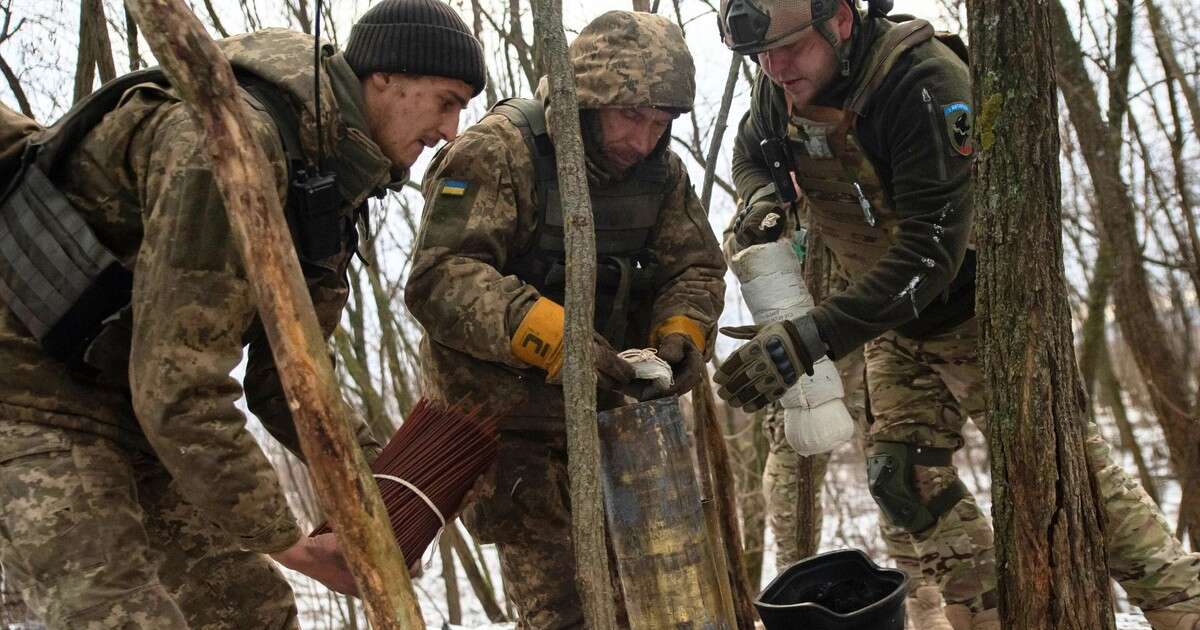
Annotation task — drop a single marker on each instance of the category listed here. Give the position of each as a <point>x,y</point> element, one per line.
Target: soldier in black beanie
<point>419,66</point>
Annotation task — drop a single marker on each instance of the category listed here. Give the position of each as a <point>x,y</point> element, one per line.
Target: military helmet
<point>754,26</point>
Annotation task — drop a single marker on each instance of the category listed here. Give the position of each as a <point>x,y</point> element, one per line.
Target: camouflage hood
<point>283,58</point>
<point>628,59</point>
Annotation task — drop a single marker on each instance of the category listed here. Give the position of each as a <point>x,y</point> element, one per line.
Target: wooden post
<point>579,376</point>
<point>655,519</point>
<point>711,441</point>
<point>347,492</point>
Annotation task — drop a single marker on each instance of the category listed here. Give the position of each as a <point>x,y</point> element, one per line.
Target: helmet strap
<point>839,49</point>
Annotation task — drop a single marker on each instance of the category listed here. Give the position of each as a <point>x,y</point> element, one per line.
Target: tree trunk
<point>349,495</point>
<point>714,147</point>
<point>450,579</point>
<point>483,590</point>
<point>712,440</point>
<point>1166,51</point>
<point>1110,389</point>
<point>1145,333</point>
<point>579,377</point>
<point>1052,571</point>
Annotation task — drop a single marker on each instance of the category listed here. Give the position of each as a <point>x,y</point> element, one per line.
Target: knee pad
<point>891,480</point>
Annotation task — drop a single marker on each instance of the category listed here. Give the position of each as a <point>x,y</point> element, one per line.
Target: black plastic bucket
<point>838,590</point>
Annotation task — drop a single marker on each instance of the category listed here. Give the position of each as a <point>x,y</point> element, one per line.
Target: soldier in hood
<point>488,279</point>
<point>131,492</point>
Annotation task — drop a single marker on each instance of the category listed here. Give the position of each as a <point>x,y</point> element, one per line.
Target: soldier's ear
<point>843,20</point>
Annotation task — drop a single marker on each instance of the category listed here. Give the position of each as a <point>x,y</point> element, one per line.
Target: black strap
<point>930,456</point>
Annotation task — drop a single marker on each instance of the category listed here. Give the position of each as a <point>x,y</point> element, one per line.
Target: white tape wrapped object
<point>647,366</point>
<point>815,416</point>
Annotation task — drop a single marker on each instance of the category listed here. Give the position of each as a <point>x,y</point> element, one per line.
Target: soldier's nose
<point>449,127</point>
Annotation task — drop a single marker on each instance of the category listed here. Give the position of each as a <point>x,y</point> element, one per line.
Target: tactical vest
<point>624,213</point>
<point>63,284</point>
<point>850,205</point>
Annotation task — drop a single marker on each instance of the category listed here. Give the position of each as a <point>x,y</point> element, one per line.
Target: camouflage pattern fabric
<point>157,382</point>
<point>524,508</point>
<point>625,59</point>
<point>781,488</point>
<point>470,231</point>
<point>905,247</point>
<point>481,212</point>
<point>97,537</point>
<point>921,393</point>
<point>925,380</point>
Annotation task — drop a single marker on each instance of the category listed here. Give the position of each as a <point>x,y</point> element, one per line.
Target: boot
<point>924,606</point>
<point>1167,619</point>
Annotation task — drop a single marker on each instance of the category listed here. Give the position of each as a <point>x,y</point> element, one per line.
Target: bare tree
<point>1049,538</point>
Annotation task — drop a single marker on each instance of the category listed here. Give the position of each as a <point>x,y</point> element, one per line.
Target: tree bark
<point>131,40</point>
<point>712,441</point>
<point>1052,571</point>
<point>1162,41</point>
<point>85,63</point>
<point>579,376</point>
<point>14,84</point>
<point>349,495</point>
<point>719,125</point>
<point>450,580</point>
<point>483,590</point>
<point>1137,316</point>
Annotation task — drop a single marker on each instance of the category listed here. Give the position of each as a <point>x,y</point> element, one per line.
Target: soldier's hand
<point>686,360</point>
<point>760,222</point>
<point>612,372</point>
<point>759,372</point>
<point>320,558</point>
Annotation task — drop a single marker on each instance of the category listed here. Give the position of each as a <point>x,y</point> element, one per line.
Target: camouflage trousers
<point>96,537</point>
<point>523,506</point>
<point>792,485</point>
<point>921,392</point>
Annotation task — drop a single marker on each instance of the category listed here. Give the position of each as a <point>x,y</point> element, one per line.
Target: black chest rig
<point>64,285</point>
<point>625,215</point>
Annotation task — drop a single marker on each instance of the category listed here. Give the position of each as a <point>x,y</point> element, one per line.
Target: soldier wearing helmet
<point>870,117</point>
<point>488,274</point>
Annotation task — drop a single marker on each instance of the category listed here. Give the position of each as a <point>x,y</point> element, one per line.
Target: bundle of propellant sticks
<point>427,468</point>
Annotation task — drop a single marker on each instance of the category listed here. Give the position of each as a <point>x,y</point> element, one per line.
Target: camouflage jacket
<point>163,381</point>
<point>470,309</point>
<point>924,180</point>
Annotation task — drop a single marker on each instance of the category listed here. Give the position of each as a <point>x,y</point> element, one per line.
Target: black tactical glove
<point>612,372</point>
<point>687,363</point>
<point>748,225</point>
<point>687,367</point>
<point>759,372</point>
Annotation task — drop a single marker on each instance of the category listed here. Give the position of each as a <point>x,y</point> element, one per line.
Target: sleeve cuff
<point>680,324</point>
<point>280,535</point>
<point>539,337</point>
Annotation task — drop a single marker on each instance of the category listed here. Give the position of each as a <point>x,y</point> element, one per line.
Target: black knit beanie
<point>416,37</point>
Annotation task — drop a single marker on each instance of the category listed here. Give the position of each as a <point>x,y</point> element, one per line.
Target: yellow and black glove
<point>538,341</point>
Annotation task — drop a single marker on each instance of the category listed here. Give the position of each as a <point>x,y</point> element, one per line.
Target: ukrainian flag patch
<point>454,188</point>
